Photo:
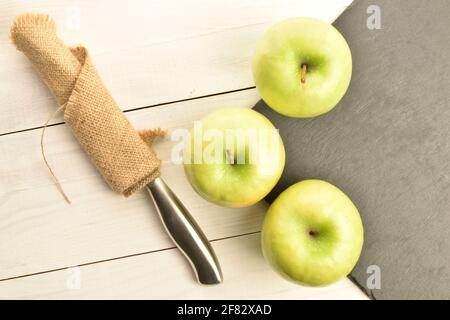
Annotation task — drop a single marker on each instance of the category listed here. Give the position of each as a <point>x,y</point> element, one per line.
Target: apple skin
<point>235,185</point>
<point>277,67</point>
<point>312,234</point>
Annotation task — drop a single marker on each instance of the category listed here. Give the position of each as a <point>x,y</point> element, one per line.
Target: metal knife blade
<point>185,233</point>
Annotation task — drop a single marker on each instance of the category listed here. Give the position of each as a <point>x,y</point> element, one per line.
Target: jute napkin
<point>121,155</point>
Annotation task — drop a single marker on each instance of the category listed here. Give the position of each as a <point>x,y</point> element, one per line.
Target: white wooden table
<point>167,63</point>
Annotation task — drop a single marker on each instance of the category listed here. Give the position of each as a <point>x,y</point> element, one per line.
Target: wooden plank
<point>39,231</point>
<point>165,275</point>
<point>147,52</point>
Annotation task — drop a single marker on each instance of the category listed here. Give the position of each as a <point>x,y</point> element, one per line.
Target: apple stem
<point>304,69</point>
<point>230,159</point>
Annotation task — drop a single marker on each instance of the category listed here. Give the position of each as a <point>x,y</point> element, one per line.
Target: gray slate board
<point>387,145</point>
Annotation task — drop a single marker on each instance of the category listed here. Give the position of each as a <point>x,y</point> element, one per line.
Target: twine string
<point>54,177</point>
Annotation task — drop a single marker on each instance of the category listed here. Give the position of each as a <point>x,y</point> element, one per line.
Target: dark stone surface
<point>387,144</point>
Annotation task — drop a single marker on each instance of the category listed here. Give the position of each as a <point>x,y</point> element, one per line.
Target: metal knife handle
<point>185,233</point>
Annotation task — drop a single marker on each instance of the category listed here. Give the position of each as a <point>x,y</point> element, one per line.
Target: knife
<point>185,233</point>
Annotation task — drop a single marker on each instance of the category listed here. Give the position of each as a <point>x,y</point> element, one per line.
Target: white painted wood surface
<point>148,53</point>
<point>247,276</point>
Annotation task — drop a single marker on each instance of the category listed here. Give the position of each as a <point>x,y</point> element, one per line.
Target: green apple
<point>302,67</point>
<point>312,233</point>
<point>234,157</point>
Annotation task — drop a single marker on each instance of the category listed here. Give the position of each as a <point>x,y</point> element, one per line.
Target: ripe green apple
<point>302,67</point>
<point>234,157</point>
<point>312,233</point>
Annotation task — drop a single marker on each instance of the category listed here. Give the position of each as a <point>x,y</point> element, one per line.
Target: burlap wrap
<point>125,161</point>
